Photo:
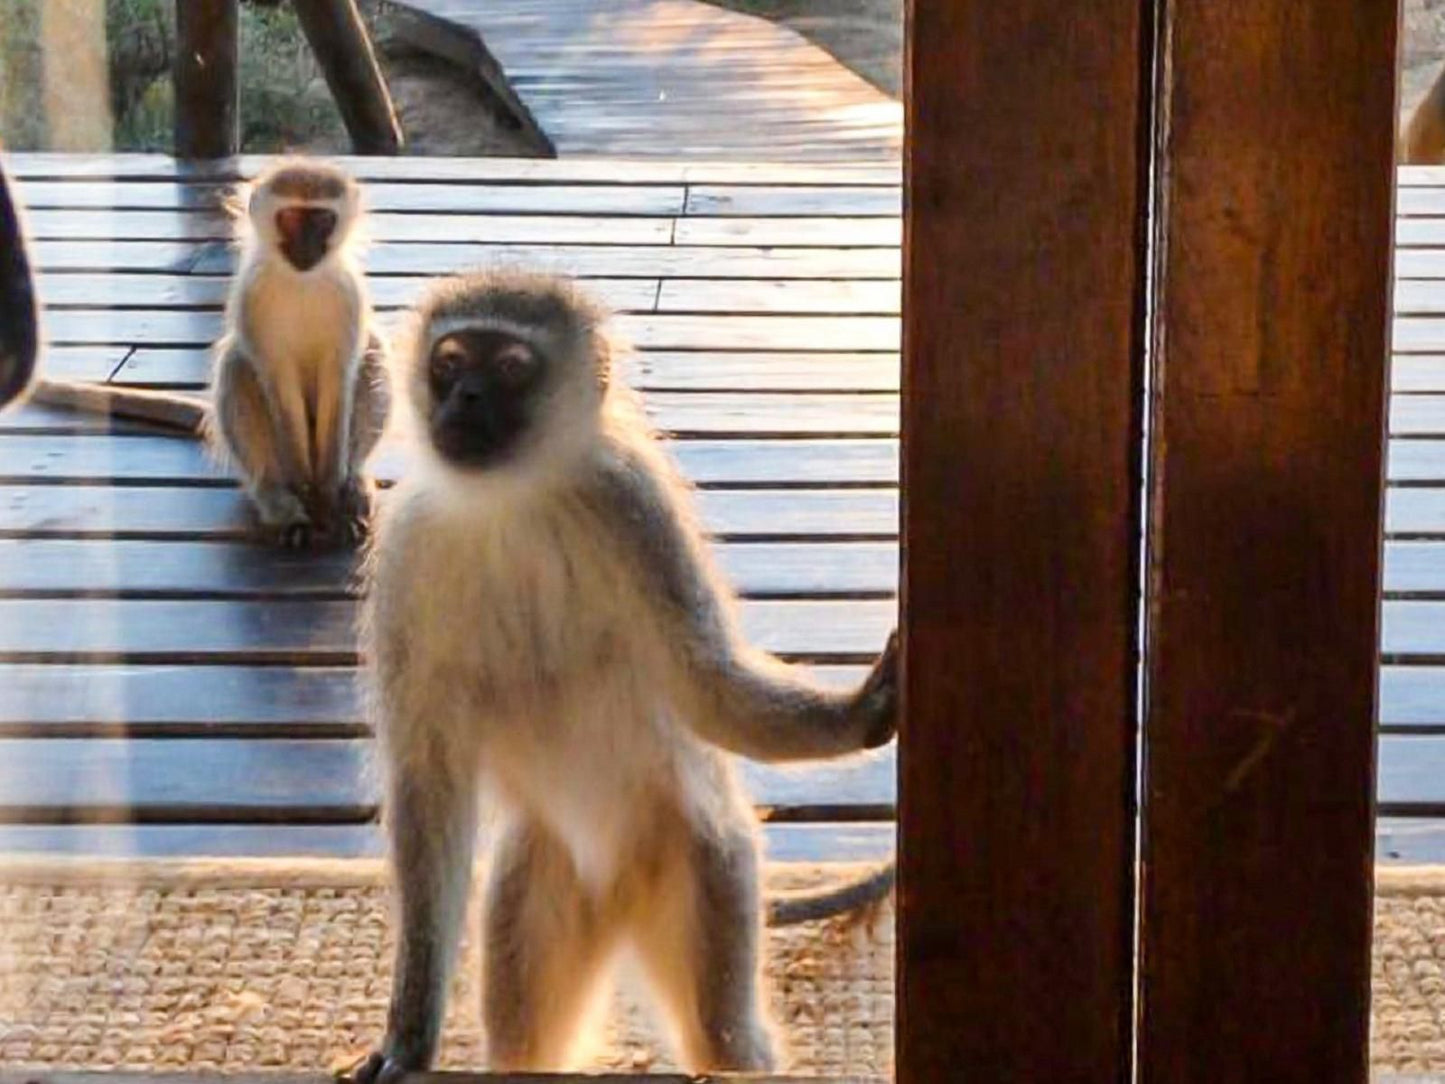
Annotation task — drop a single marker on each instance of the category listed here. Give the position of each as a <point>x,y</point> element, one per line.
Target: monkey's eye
<point>515,364</point>
<point>447,360</point>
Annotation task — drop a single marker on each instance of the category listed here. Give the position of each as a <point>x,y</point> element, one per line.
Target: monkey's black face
<point>484,387</point>
<point>305,235</point>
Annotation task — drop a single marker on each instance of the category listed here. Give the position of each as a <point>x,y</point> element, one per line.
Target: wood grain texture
<point>1020,525</point>
<point>1265,541</point>
<point>207,91</point>
<point>320,781</point>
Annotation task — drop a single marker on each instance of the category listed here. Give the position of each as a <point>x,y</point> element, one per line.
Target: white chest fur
<point>312,324</point>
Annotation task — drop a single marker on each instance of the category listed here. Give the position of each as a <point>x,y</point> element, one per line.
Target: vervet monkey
<point>544,628</point>
<point>299,389</point>
<point>19,322</point>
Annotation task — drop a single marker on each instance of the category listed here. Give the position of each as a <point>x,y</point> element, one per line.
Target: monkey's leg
<point>699,940</point>
<point>253,437</point>
<point>431,821</point>
<point>370,407</point>
<point>546,945</point>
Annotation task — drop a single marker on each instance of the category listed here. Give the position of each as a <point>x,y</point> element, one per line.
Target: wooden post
<point>1023,285</point>
<point>1268,436</point>
<point>342,46</point>
<point>207,94</point>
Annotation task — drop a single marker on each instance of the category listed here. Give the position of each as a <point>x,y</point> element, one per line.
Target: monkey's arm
<point>734,695</point>
<point>177,412</point>
<point>19,323</point>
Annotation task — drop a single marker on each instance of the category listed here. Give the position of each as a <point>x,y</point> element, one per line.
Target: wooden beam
<point>1268,436</point>
<point>342,47</point>
<point>1023,289</point>
<point>207,123</point>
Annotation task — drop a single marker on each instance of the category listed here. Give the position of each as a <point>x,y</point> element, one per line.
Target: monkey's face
<point>485,388</point>
<point>304,234</point>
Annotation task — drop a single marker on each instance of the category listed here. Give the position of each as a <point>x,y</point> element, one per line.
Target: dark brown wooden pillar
<point>207,94</point>
<point>342,46</point>
<point>1023,314</point>
<point>1271,371</point>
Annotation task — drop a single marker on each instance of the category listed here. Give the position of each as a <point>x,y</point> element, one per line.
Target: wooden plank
<point>834,295</point>
<point>311,632</point>
<point>1413,373</point>
<point>857,842</point>
<point>101,459</point>
<point>1021,379</point>
<point>138,290</point>
<point>1416,462</point>
<point>592,169</point>
<point>215,513</point>
<point>711,413</point>
<point>1418,415</point>
<point>46,698</point>
<point>797,200</point>
<point>1267,432</point>
<point>306,781</point>
<point>677,79</point>
<point>1410,842</point>
<point>1411,775</point>
<point>653,330</point>
<point>418,258</point>
<point>1415,512</point>
<point>203,700</point>
<point>100,225</point>
<point>843,232</point>
<point>417,197</point>
<point>646,370</point>
<point>35,568</point>
<point>207,88</point>
<point>1412,628</point>
<point>1412,697</point>
<point>1415,567</point>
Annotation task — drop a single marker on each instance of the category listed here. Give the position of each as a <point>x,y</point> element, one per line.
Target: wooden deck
<point>168,687</point>
<point>667,79</point>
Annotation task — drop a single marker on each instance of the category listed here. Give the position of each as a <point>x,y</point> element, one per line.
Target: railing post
<point>342,46</point>
<point>207,92</point>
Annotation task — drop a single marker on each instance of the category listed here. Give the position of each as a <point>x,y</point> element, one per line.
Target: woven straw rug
<point>285,965</point>
<point>269,965</point>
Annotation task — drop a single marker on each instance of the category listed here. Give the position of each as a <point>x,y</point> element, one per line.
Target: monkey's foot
<point>284,514</point>
<point>353,510</point>
<point>377,1068</point>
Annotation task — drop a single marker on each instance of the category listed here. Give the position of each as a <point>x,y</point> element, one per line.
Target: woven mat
<point>285,965</point>
<point>272,965</point>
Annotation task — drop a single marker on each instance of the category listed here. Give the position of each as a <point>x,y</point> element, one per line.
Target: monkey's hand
<point>876,704</point>
<point>376,1068</point>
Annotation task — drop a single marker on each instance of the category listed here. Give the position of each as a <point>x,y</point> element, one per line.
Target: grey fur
<point>551,632</point>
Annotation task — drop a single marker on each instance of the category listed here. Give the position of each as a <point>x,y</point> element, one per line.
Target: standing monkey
<point>544,626</point>
<point>299,388</point>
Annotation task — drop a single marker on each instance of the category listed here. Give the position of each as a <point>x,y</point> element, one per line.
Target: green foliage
<point>284,100</point>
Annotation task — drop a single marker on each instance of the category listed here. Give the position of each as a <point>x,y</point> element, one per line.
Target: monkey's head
<point>508,370</point>
<point>304,210</point>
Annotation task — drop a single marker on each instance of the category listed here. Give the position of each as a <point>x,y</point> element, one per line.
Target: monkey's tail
<point>179,412</point>
<point>871,888</point>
